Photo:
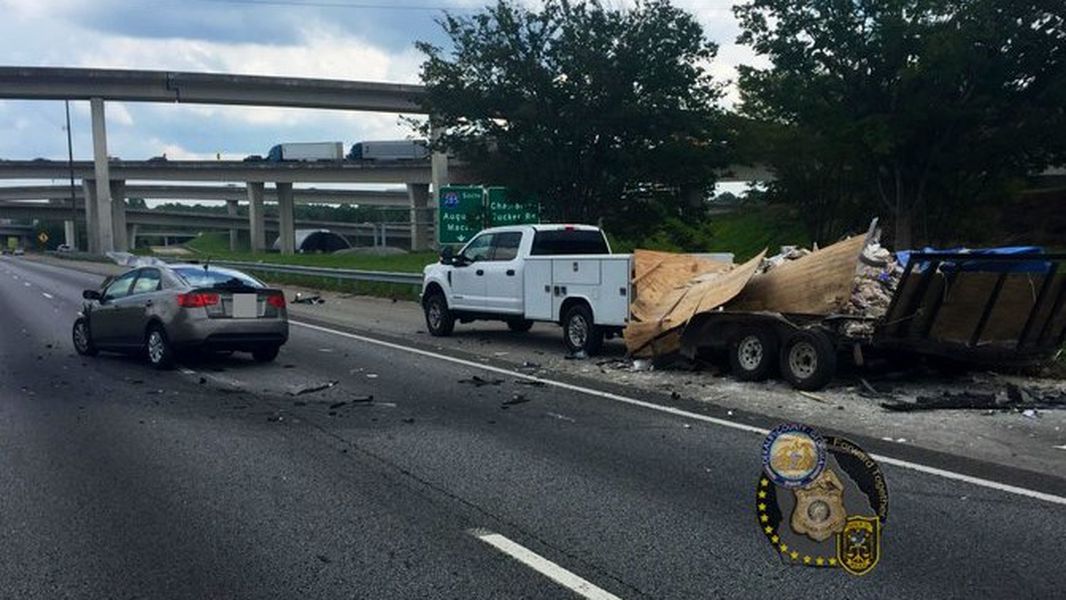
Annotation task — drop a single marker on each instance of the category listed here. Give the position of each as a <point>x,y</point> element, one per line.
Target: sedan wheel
<point>83,341</point>
<point>160,354</point>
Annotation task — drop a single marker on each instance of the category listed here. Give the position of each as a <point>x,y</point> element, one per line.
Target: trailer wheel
<point>580,333</point>
<point>808,360</point>
<point>753,353</point>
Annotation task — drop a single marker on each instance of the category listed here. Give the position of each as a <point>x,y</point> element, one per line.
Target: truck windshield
<point>569,241</point>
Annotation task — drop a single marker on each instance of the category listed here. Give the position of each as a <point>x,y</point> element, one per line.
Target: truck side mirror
<point>447,255</point>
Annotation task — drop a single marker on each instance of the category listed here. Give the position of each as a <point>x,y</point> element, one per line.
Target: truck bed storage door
<point>503,274</point>
<point>536,283</point>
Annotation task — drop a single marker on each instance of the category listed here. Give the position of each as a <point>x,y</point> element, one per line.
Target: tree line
<point>920,111</point>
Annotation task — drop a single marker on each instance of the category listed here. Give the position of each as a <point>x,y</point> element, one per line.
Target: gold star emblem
<point>764,518</point>
<point>768,529</point>
<point>832,561</point>
<point>784,547</point>
<point>819,561</point>
<point>806,560</point>
<point>774,539</point>
<point>762,506</point>
<point>765,482</point>
<point>794,555</point>
<point>762,494</point>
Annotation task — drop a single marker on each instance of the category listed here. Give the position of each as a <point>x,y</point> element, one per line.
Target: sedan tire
<point>83,339</point>
<point>157,348</point>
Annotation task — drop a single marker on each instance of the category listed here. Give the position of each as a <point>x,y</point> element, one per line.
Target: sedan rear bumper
<point>228,334</point>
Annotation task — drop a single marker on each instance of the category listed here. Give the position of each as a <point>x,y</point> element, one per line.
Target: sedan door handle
<point>480,272</point>
<point>510,272</point>
<point>147,303</point>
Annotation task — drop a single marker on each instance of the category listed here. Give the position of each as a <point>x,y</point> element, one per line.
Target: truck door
<point>503,275</point>
<point>468,277</point>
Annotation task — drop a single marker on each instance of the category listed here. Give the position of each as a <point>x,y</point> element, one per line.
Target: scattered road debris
<point>1012,397</point>
<point>299,298</point>
<point>579,355</point>
<point>336,405</point>
<point>479,381</point>
<point>561,417</point>
<point>515,399</point>
<point>311,388</point>
<point>811,396</point>
<point>362,399</point>
<point>408,420</point>
<point>530,382</point>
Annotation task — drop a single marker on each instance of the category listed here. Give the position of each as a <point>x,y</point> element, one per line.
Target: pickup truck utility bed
<point>562,274</point>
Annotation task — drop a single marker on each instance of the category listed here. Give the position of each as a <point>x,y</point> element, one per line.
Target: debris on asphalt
<point>811,396</point>
<point>337,404</point>
<point>579,355</point>
<point>408,420</point>
<point>362,399</point>
<point>561,417</point>
<point>309,299</point>
<point>515,399</point>
<point>477,381</point>
<point>299,403</point>
<point>311,388</point>
<point>371,375</point>
<point>203,380</point>
<point>530,382</point>
<point>1031,413</point>
<point>642,364</point>
<point>1060,447</point>
<point>1012,397</point>
<point>324,558</point>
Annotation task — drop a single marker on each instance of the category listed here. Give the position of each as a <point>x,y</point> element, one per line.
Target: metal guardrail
<point>414,279</point>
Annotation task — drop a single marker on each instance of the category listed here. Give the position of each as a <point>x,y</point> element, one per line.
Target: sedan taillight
<point>197,299</point>
<point>276,300</point>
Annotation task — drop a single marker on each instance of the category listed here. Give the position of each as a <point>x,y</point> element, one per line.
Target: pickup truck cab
<point>519,274</point>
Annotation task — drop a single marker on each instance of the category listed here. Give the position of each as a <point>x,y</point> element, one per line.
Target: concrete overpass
<point>137,218</point>
<point>105,179</point>
<point>229,193</point>
<point>24,233</point>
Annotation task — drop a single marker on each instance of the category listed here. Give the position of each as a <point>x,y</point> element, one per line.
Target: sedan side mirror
<point>91,295</point>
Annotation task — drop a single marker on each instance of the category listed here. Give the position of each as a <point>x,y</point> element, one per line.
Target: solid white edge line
<point>558,574</point>
<point>995,485</point>
<point>47,295</point>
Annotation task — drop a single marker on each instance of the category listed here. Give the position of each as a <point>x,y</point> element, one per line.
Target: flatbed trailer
<point>988,310</point>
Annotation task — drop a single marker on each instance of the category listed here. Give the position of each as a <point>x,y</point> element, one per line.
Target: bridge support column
<point>118,215</point>
<point>104,231</point>
<point>231,209</point>
<point>256,220</point>
<point>92,241</point>
<point>421,216</point>
<point>70,234</point>
<point>286,218</point>
<point>133,230</point>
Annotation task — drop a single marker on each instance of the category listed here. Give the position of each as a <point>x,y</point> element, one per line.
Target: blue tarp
<point>1032,266</point>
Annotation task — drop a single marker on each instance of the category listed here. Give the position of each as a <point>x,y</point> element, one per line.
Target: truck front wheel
<point>580,333</point>
<point>808,360</point>
<point>439,319</point>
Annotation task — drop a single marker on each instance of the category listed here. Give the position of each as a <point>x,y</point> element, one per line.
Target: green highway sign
<point>460,214</point>
<point>505,209</point>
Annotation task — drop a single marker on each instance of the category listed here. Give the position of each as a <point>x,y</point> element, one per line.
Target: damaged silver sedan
<point>160,309</point>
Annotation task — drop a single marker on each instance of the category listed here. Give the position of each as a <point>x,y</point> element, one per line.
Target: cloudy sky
<point>338,39</point>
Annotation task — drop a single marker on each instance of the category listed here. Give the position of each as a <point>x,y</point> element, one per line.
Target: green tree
<point>600,113</point>
<point>929,105</point>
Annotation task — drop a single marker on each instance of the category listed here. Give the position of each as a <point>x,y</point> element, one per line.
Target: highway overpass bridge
<point>104,179</point>
<point>372,233</point>
<point>397,198</point>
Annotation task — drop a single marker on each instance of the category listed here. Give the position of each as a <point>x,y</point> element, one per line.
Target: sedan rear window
<point>569,241</point>
<point>215,277</point>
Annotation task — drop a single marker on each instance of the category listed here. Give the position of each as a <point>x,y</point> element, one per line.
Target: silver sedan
<point>159,310</point>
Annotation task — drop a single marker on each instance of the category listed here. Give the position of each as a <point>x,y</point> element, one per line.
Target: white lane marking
<point>47,295</point>
<point>26,283</point>
<point>538,563</point>
<point>903,464</point>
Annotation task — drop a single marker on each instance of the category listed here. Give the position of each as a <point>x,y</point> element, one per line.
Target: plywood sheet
<point>702,293</point>
<point>817,284</point>
<point>659,274</point>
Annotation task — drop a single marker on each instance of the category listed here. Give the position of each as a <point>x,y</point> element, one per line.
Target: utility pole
<point>70,166</point>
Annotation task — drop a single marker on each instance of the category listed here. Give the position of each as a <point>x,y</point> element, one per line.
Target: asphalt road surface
<point>216,481</point>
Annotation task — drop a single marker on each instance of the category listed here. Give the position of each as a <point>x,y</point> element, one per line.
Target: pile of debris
<point>876,279</point>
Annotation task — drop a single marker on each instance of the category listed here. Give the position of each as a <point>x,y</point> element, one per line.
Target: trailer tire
<point>753,353</point>
<point>440,321</point>
<point>580,333</point>
<point>808,359</point>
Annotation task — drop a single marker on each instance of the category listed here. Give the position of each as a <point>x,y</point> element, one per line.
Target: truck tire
<point>519,325</point>
<point>808,360</point>
<point>580,333</point>
<point>439,319</point>
<point>753,353</point>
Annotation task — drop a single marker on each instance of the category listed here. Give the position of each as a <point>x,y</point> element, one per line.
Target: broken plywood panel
<point>817,284</point>
<point>657,274</point>
<point>660,333</point>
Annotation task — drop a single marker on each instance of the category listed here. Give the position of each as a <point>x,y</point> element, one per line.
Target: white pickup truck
<point>519,274</point>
